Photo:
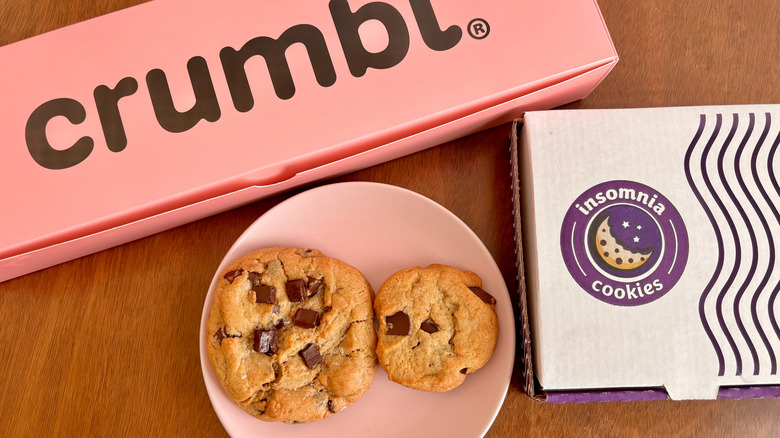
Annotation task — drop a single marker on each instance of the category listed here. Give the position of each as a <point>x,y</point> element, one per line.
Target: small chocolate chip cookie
<point>436,325</point>
<point>291,334</point>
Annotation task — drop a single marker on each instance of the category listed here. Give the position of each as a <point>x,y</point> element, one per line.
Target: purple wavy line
<point>753,242</point>
<point>708,212</point>
<point>773,179</point>
<point>765,225</point>
<point>737,246</point>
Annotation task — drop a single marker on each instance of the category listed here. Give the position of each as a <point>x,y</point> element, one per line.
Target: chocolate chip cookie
<point>291,334</point>
<point>436,325</point>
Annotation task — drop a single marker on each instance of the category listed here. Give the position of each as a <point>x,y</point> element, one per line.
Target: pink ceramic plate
<point>379,229</point>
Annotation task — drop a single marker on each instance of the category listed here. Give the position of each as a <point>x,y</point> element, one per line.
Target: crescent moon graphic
<point>615,254</point>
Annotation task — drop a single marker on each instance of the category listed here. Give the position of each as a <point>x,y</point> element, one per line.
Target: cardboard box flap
<point>527,371</point>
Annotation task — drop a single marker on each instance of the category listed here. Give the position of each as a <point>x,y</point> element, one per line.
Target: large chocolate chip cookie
<point>291,335</point>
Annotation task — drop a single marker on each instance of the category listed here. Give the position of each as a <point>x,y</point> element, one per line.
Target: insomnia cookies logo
<point>624,243</point>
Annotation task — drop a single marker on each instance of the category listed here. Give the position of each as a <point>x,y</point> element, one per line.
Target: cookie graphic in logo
<point>624,243</point>
<point>625,239</point>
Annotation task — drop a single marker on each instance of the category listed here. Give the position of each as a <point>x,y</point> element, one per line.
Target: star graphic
<point>638,227</point>
<point>636,239</point>
<point>626,224</point>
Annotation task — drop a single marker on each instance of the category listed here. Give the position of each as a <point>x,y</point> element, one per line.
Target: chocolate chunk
<point>264,294</point>
<point>265,341</point>
<point>429,326</point>
<point>331,409</point>
<point>232,275</point>
<point>310,355</point>
<point>296,290</point>
<point>464,370</point>
<point>314,285</point>
<point>279,324</point>
<point>484,296</point>
<point>398,324</point>
<point>306,318</point>
<point>254,278</point>
<point>221,334</point>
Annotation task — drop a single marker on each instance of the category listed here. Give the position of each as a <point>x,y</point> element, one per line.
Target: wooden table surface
<point>107,345</point>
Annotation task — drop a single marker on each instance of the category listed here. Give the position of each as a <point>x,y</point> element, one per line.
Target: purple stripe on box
<point>605,396</point>
<point>758,290</point>
<point>718,236</point>
<point>737,245</point>
<point>733,392</point>
<point>749,255</point>
<point>736,392</point>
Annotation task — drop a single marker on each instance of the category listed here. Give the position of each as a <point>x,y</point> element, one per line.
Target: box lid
<point>102,124</point>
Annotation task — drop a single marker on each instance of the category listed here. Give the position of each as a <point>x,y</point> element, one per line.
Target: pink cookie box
<point>160,114</point>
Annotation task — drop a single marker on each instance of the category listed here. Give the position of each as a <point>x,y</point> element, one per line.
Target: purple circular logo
<point>624,243</point>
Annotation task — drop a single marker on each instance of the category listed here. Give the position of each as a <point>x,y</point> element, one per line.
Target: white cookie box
<point>692,192</point>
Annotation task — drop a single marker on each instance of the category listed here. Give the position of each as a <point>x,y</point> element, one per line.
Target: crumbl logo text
<point>624,243</point>
<point>347,23</point>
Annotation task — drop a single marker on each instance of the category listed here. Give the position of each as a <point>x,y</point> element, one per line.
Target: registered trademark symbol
<point>478,28</point>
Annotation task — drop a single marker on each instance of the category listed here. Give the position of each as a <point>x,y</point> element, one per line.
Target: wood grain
<point>108,344</point>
